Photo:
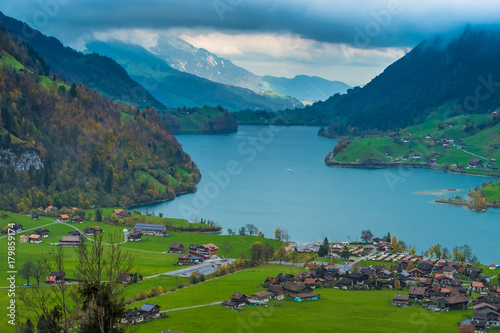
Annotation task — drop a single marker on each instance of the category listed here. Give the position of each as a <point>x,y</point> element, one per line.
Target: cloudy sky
<point>351,41</point>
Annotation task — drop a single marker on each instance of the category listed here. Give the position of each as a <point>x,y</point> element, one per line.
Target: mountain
<point>185,57</point>
<point>442,77</point>
<point>177,89</point>
<point>92,70</point>
<point>67,145</point>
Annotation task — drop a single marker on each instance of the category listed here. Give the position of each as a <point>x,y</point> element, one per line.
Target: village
<point>431,283</point>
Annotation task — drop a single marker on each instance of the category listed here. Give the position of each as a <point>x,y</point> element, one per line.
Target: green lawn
<point>338,311</point>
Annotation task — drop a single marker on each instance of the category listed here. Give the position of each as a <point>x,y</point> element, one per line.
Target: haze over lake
<point>276,177</point>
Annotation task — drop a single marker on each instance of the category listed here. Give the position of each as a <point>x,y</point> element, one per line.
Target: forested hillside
<point>69,146</point>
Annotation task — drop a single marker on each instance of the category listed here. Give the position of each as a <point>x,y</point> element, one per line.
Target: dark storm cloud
<point>363,24</point>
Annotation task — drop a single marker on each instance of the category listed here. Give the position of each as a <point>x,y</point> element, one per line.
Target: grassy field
<point>480,134</point>
<point>491,192</point>
<point>339,310</point>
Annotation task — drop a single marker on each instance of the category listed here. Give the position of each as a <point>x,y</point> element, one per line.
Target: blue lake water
<point>276,177</point>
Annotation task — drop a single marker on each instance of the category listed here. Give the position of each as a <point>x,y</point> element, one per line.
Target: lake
<point>276,177</point>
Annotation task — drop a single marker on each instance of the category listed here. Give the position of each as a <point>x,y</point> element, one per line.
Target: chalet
<point>133,316</point>
<point>209,249</point>
<point>431,161</point>
<point>74,233</point>
<point>405,158</point>
<point>276,291</point>
<point>293,289</point>
<point>358,277</point>
<point>492,162</point>
<point>477,325</point>
<point>393,135</point>
<point>385,274</point>
<point>446,146</point>
<point>125,278</point>
<point>23,239</point>
<point>121,213</point>
<point>77,219</point>
<point>488,315</point>
<point>260,298</point>
<point>417,293</point>
<point>62,218</point>
<point>239,298</point>
<point>467,328</point>
<point>176,247</point>
<point>193,247</point>
<point>33,238</point>
<point>425,267</point>
<point>310,282</point>
<point>417,156</point>
<point>55,277</point>
<point>152,310</point>
<point>183,259</point>
<point>400,300</point>
<point>425,281</point>
<point>488,300</point>
<point>445,292</point>
<point>70,240</point>
<point>42,232</point>
<point>34,217</point>
<point>414,273</point>
<point>345,283</point>
<point>477,286</point>
<point>449,271</point>
<point>367,272</point>
<point>306,297</point>
<point>134,236</point>
<point>428,136</point>
<point>475,162</point>
<point>230,305</point>
<point>92,230</point>
<point>406,140</point>
<point>50,209</point>
<point>475,272</point>
<point>443,280</point>
<point>484,307</point>
<point>283,277</point>
<point>376,240</point>
<point>151,229</point>
<point>197,257</point>
<point>454,302</point>
<point>17,228</point>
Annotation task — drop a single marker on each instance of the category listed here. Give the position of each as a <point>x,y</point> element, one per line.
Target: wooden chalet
<point>277,291</point>
<point>74,233</point>
<point>454,302</point>
<point>210,249</point>
<point>401,300</point>
<point>260,298</point>
<point>306,297</point>
<point>77,219</point>
<point>239,298</point>
<point>183,259</point>
<point>62,218</point>
<point>42,232</point>
<point>230,305</point>
<point>23,239</point>
<point>152,310</point>
<point>134,236</point>
<point>475,162</point>
<point>417,293</point>
<point>292,289</point>
<point>17,228</point>
<point>176,247</point>
<point>133,316</point>
<point>70,241</point>
<point>34,238</point>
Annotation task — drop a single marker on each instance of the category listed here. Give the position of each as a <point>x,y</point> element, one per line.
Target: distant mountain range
<point>94,71</point>
<point>185,57</point>
<point>177,89</point>
<point>439,78</point>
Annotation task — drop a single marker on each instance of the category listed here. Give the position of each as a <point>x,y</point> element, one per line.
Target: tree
<point>387,238</point>
<point>72,91</point>
<point>230,231</point>
<point>242,231</point>
<point>278,233</point>
<point>29,327</point>
<point>445,253</point>
<point>98,215</point>
<point>100,293</point>
<point>345,255</point>
<point>256,252</point>
<point>397,284</point>
<point>394,243</point>
<point>402,246</point>
<point>109,180</point>
<point>27,271</point>
<point>280,254</point>
<point>321,251</point>
<point>326,245</point>
<point>268,252</point>
<point>412,250</point>
<point>6,119</point>
<point>38,272</point>
<point>366,236</point>
<point>293,256</point>
<point>251,229</point>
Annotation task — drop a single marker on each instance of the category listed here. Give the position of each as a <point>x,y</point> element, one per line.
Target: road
<point>205,268</point>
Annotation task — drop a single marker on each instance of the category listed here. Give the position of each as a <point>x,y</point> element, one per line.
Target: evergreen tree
<point>98,215</point>
<point>109,181</point>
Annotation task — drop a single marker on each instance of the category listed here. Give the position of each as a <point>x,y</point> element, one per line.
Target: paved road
<point>191,307</point>
<point>205,268</point>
